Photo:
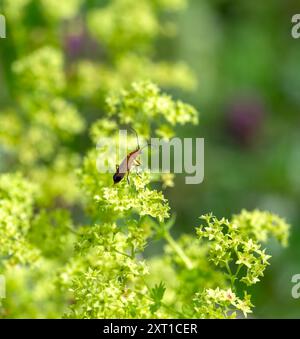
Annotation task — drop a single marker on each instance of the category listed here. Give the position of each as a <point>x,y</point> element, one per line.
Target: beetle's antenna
<point>137,137</point>
<point>148,144</point>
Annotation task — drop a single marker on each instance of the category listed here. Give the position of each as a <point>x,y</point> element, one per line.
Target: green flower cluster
<point>107,275</point>
<point>42,125</point>
<point>183,282</point>
<point>144,101</point>
<point>220,304</point>
<point>33,247</point>
<point>261,225</point>
<point>234,246</point>
<point>125,70</point>
<point>41,72</point>
<point>135,29</point>
<point>109,282</point>
<point>16,209</point>
<point>99,267</point>
<point>129,215</point>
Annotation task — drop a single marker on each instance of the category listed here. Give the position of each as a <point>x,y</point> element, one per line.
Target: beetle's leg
<point>127,177</point>
<point>137,170</point>
<point>137,162</point>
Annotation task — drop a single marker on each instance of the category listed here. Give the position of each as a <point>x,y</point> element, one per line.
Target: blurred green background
<point>248,95</point>
<point>248,69</point>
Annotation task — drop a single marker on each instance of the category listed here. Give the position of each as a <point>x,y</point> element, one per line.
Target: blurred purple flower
<point>80,44</point>
<point>245,119</point>
<point>74,44</point>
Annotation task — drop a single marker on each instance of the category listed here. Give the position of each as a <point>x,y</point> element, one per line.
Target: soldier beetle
<point>130,160</point>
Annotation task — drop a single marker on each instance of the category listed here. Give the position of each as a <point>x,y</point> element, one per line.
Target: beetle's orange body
<point>126,165</point>
<point>130,160</point>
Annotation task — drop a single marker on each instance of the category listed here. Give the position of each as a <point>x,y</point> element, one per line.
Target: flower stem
<point>178,250</point>
<point>232,277</point>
